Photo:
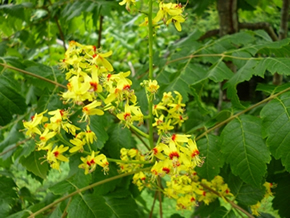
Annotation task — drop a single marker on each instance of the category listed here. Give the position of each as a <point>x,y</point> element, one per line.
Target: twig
<point>160,197</point>
<point>15,146</point>
<point>153,204</point>
<point>100,31</point>
<point>260,25</point>
<point>84,189</point>
<point>242,112</point>
<point>64,214</point>
<point>141,139</point>
<point>33,75</point>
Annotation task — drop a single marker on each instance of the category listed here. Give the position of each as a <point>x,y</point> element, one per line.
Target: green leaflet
<point>210,149</point>
<point>244,149</point>
<point>276,123</point>
<point>33,164</point>
<point>282,194</point>
<point>12,102</point>
<point>90,205</point>
<point>245,194</point>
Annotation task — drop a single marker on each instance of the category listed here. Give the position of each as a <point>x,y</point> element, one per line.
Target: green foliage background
<point>247,142</point>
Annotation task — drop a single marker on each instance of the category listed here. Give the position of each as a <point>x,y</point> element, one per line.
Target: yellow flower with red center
<point>56,155</point>
<point>90,109</point>
<point>91,161</point>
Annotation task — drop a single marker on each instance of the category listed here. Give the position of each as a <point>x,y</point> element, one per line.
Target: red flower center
<point>173,154</point>
<point>56,153</point>
<point>94,85</point>
<point>165,169</point>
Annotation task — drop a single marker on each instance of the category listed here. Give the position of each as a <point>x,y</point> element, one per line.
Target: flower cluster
<point>169,112</point>
<point>168,13</point>
<point>188,190</point>
<point>92,88</point>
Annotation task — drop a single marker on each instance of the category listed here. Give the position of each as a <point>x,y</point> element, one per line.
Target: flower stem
<point>150,76</point>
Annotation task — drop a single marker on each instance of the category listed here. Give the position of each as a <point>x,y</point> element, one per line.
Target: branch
<point>260,25</point>
<point>15,146</point>
<point>60,32</point>
<point>284,20</point>
<point>100,31</point>
<point>33,75</point>
<point>84,189</point>
<point>209,34</point>
<point>242,112</point>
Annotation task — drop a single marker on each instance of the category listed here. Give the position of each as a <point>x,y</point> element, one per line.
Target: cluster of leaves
<point>251,147</point>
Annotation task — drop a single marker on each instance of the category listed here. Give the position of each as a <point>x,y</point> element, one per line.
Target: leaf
<point>244,149</point>
<point>98,124</point>
<point>274,65</point>
<point>219,72</point>
<point>245,73</point>
<point>98,175</point>
<point>7,191</point>
<point>204,210</point>
<point>43,71</point>
<point>282,194</point>
<point>119,137</point>
<point>276,123</point>
<point>33,164</point>
<point>245,194</point>
<point>209,148</point>
<point>90,205</point>
<point>12,102</point>
<point>223,212</point>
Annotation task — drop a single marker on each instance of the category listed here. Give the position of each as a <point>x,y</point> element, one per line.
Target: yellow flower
<point>128,3</point>
<point>55,155</point>
<point>31,126</point>
<point>100,60</point>
<point>78,145</point>
<point>176,20</point>
<point>90,109</point>
<point>91,161</point>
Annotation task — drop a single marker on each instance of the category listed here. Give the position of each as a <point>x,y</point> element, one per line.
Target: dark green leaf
<point>282,194</point>
<point>119,137</point>
<point>209,148</point>
<point>12,102</point>
<point>8,189</point>
<point>98,125</point>
<point>90,205</point>
<point>244,149</point>
<point>33,163</point>
<point>246,194</point>
<point>223,212</point>
<point>276,122</point>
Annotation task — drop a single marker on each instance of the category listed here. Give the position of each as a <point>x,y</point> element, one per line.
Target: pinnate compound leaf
<point>11,101</point>
<point>244,149</point>
<point>209,148</point>
<point>33,163</point>
<point>119,137</point>
<point>276,122</point>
